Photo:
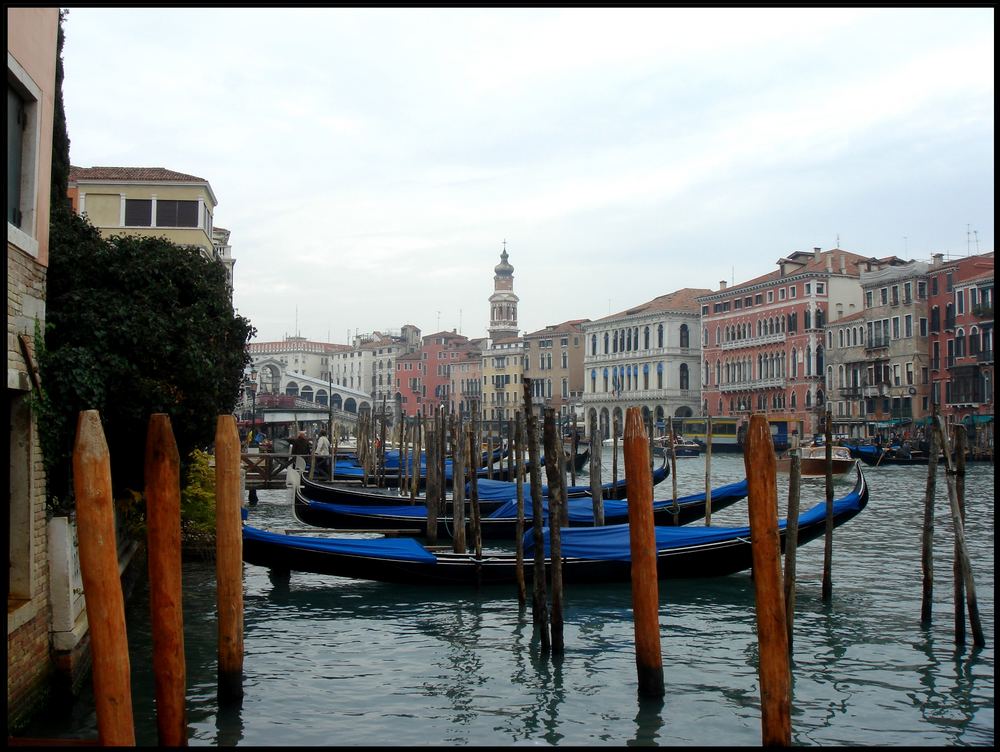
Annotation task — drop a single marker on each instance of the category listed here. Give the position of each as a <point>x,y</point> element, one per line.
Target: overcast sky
<point>370,163</point>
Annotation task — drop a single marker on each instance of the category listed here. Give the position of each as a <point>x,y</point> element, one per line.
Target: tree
<point>60,134</point>
<point>135,326</point>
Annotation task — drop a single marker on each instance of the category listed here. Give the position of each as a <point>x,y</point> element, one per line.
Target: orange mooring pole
<point>642,539</point>
<point>772,633</point>
<point>102,586</point>
<point>163,522</point>
<point>228,557</point>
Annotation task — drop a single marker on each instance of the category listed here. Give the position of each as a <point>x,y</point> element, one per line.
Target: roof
<point>849,318</point>
<point>805,263</point>
<point>445,334</point>
<point>684,300</point>
<point>567,326</point>
<point>144,174</point>
<point>135,175</point>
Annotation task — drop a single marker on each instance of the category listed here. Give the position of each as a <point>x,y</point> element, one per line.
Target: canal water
<point>332,661</point>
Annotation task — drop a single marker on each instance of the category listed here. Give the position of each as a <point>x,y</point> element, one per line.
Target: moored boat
<point>813,461</point>
<point>589,555</point>
<point>501,522</point>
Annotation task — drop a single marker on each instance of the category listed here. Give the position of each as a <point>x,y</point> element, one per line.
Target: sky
<point>372,163</point>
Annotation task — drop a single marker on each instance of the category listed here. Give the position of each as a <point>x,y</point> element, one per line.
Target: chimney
<point>843,264</point>
<point>722,284</point>
<point>817,250</point>
<point>936,259</point>
<point>829,263</point>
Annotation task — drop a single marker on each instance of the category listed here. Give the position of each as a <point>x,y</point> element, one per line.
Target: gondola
<point>501,523</point>
<point>487,490</point>
<point>589,555</point>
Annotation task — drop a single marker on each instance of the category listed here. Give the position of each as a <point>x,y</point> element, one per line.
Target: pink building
<point>763,340</point>
<point>423,378</point>
<point>961,338</point>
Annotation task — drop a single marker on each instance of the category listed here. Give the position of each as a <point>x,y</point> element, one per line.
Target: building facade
<point>32,35</point>
<point>764,340</point>
<point>961,337</point>
<point>647,356</point>
<point>877,366</point>
<point>146,202</point>
<point>466,392</point>
<point>224,253</point>
<point>503,367</point>
<point>553,360</point>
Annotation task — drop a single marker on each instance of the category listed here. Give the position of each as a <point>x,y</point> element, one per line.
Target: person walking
<point>323,452</point>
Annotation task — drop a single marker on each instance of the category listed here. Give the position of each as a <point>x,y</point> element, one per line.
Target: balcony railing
<point>877,343</point>
<point>984,356</point>
<point>765,339</point>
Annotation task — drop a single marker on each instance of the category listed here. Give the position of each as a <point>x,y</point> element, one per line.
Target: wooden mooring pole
<point>522,597</point>
<point>708,471</point>
<point>961,550</point>
<point>927,544</point>
<point>163,526</point>
<point>596,492</point>
<point>792,534</point>
<point>539,601</point>
<point>457,432</point>
<point>554,470</point>
<point>828,538</point>
<point>229,558</point>
<point>642,542</point>
<point>102,587</point>
<point>772,633</point>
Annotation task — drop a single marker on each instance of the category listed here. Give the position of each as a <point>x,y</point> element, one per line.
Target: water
<point>338,662</point>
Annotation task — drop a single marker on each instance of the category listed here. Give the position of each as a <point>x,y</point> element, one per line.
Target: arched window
<point>808,399</point>
<point>820,317</point>
<point>685,336</point>
<point>645,338</point>
<point>606,338</point>
<point>593,344</point>
<point>819,359</point>
<point>806,319</point>
<point>684,377</point>
<point>659,336</point>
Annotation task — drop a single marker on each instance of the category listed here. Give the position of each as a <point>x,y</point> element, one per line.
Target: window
<point>820,288</point>
<point>23,133</point>
<point>806,288</point>
<point>792,291</point>
<point>781,293</point>
<point>883,295</point>
<point>908,325</point>
<point>770,296</point>
<point>138,212</point>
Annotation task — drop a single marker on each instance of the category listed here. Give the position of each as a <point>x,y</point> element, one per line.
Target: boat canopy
<point>397,549</point>
<point>612,542</point>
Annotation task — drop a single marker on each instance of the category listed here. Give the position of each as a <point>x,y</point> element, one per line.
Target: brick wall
<point>29,664</point>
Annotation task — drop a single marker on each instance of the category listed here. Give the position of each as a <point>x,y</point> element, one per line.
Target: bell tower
<point>503,301</point>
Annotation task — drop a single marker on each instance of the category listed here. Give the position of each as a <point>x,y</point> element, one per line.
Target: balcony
<point>984,356</point>
<point>877,343</point>
<point>766,339</point>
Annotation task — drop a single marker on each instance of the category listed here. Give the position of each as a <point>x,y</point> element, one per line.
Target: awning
<point>977,419</point>
<point>892,423</point>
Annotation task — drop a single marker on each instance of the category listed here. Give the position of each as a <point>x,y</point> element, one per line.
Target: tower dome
<point>503,267</point>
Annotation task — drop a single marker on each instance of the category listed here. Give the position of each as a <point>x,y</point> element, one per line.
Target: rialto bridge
<point>284,401</point>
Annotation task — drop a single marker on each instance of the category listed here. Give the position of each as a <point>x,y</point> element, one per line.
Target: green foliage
<point>135,326</point>
<point>198,495</point>
<point>60,135</point>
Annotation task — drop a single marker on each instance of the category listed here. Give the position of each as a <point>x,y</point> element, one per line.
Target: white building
<point>648,356</point>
